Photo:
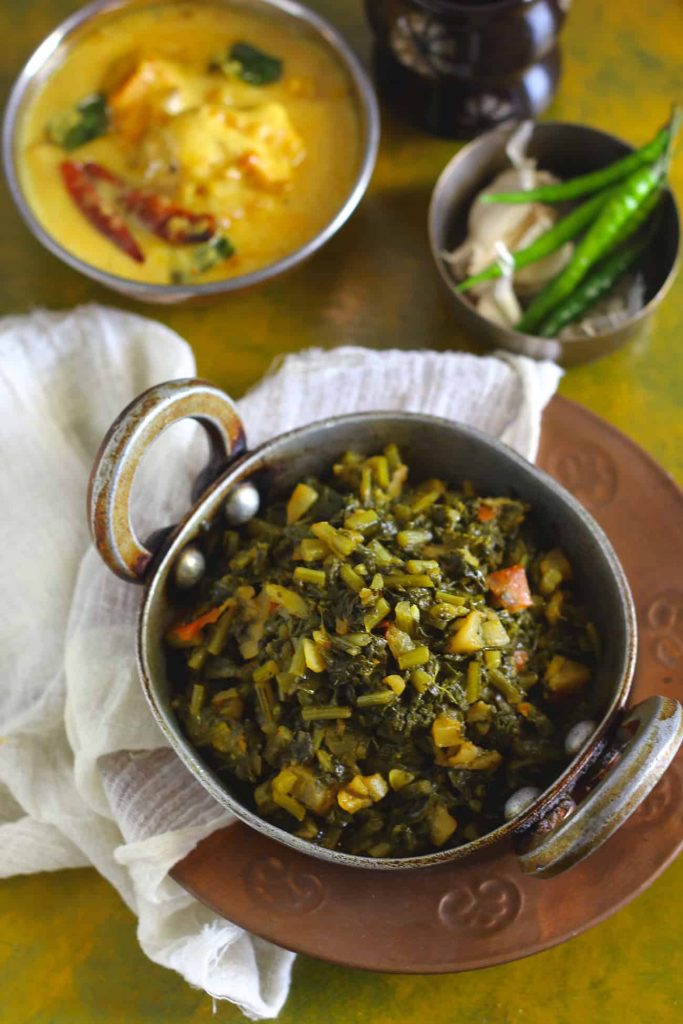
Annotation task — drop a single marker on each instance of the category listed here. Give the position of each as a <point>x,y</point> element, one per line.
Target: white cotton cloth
<point>86,777</point>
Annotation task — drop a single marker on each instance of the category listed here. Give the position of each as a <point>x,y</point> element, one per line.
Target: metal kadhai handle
<point>126,443</point>
<point>655,731</point>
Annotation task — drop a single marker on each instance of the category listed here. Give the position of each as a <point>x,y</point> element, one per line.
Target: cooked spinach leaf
<point>203,258</point>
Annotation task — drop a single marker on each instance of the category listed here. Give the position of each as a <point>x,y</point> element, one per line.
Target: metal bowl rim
<point>368,132</point>
<point>214,496</point>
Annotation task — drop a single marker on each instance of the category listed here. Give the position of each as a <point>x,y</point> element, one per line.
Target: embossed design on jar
<point>481,907</point>
<point>588,472</point>
<point>661,802</point>
<point>664,619</point>
<point>423,44</point>
<point>488,107</point>
<point>284,887</point>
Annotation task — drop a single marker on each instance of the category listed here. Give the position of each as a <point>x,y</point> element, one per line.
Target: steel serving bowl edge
<point>37,66</point>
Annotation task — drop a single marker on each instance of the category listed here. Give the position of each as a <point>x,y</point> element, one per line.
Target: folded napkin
<point>86,777</point>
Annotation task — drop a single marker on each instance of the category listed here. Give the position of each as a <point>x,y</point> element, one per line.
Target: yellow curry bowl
<point>189,148</point>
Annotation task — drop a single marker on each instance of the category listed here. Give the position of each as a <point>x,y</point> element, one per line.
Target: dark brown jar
<point>459,67</point>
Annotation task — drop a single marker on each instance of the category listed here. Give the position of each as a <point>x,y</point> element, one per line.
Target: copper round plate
<point>484,911</point>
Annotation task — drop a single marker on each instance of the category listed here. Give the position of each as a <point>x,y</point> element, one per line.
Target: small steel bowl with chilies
<point>566,150</point>
<point>615,762</point>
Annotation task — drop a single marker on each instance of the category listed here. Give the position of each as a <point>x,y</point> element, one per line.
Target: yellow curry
<point>190,142</point>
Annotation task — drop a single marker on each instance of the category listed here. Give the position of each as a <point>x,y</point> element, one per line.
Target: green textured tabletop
<point>68,952</point>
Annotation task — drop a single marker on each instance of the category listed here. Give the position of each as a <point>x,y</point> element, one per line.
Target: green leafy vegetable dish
<point>376,666</point>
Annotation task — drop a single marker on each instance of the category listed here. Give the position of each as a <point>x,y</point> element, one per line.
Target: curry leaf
<point>87,120</point>
<point>255,66</point>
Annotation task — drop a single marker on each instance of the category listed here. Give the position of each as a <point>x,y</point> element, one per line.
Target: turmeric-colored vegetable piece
<point>283,785</point>
<point>376,786</point>
<point>442,825</point>
<point>296,788</point>
<point>446,731</point>
<point>469,637</point>
<point>313,656</point>
<point>564,676</point>
<point>553,609</point>
<point>473,758</point>
<point>228,703</point>
<point>362,791</point>
<point>288,599</point>
<point>493,630</point>
<point>480,712</point>
<point>395,683</point>
<point>398,640</point>
<point>554,570</point>
<point>399,778</point>
<point>312,550</point>
<point>421,680</point>
<point>461,756</point>
<point>350,803</point>
<point>477,631</point>
<point>313,793</point>
<point>302,498</point>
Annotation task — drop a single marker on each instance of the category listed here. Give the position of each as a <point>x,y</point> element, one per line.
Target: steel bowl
<point>567,150</point>
<point>100,13</point>
<point>616,761</point>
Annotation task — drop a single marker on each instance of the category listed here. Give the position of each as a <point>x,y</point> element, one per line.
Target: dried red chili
<point>79,181</point>
<point>155,212</point>
<point>167,220</point>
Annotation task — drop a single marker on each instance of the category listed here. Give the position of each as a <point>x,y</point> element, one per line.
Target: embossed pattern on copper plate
<point>482,910</point>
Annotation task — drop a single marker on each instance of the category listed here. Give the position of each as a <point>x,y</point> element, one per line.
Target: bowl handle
<point>647,741</point>
<point>122,451</point>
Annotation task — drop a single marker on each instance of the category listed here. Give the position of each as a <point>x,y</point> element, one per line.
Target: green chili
<point>639,217</point>
<point>607,231</point>
<point>590,290</point>
<point>586,183</point>
<point>549,242</point>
